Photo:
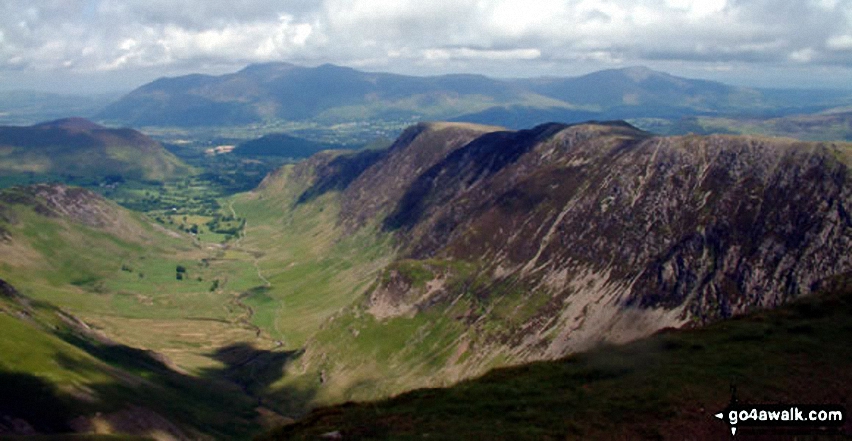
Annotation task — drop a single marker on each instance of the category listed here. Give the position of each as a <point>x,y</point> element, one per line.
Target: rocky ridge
<point>547,241</point>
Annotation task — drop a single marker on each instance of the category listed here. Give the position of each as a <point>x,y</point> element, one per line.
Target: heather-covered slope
<point>667,386</point>
<point>527,245</point>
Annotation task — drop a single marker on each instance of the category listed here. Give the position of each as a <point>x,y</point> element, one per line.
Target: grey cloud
<point>201,14</point>
<point>440,35</point>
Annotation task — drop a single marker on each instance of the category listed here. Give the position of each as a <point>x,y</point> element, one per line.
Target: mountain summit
<point>330,94</point>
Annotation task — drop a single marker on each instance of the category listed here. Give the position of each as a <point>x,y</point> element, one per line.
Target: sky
<point>86,46</point>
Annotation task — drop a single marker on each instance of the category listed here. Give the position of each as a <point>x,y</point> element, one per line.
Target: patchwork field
<point>235,308</point>
<point>130,282</point>
<point>360,277</point>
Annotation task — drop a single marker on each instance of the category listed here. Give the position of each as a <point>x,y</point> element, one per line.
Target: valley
<point>395,220</point>
<point>353,276</point>
<point>207,279</point>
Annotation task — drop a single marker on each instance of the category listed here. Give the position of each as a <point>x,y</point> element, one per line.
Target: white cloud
<point>481,54</point>
<point>698,8</point>
<point>406,35</point>
<point>840,42</point>
<point>805,55</point>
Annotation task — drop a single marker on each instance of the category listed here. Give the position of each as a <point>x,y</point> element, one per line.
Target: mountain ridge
<point>331,94</point>
<point>459,249</point>
<point>514,246</point>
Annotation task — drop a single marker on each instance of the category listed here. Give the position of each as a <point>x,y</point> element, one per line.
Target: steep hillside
<point>527,245</point>
<point>117,325</point>
<point>59,376</point>
<point>667,386</point>
<point>81,148</point>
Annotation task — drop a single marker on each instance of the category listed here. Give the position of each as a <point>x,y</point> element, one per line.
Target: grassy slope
<point>92,153</point>
<point>121,279</point>
<point>53,373</point>
<point>314,271</point>
<point>814,127</point>
<point>667,386</point>
<point>375,357</point>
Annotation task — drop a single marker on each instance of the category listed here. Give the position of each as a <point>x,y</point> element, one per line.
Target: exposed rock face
<point>72,204</point>
<point>559,237</point>
<point>374,192</point>
<point>733,221</point>
<point>56,200</point>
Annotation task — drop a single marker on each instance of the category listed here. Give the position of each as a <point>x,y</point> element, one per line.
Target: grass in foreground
<point>53,373</point>
<point>667,386</point>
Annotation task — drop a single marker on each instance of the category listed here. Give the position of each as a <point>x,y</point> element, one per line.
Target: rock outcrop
<point>542,242</point>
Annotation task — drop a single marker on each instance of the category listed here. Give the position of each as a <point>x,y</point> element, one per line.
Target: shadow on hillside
<point>481,158</point>
<point>337,174</point>
<point>221,402</point>
<point>255,370</point>
<point>27,398</point>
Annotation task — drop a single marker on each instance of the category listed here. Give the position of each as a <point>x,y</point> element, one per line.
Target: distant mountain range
<point>25,107</point>
<point>80,148</point>
<point>332,94</point>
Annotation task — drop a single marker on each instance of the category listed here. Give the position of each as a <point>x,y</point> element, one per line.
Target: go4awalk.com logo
<point>800,417</point>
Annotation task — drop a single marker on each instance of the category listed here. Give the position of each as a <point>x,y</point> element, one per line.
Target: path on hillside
<point>246,320</point>
<point>255,255</point>
<point>241,233</point>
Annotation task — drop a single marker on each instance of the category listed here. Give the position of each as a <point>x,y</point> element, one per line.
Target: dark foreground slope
<point>58,377</point>
<point>79,148</point>
<point>667,386</point>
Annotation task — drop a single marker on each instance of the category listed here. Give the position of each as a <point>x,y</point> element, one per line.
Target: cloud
<point>480,54</point>
<point>840,42</point>
<point>406,35</point>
